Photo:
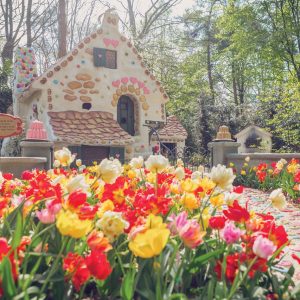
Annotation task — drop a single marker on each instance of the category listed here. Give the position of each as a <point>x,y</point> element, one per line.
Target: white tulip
<point>137,162</point>
<point>64,156</point>
<point>109,170</point>
<point>77,182</point>
<point>179,173</point>
<point>223,177</point>
<point>278,199</point>
<point>156,163</point>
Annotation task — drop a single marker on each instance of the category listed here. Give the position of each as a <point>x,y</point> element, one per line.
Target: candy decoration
<point>25,70</point>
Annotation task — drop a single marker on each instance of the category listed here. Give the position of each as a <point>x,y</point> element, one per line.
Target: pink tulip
<point>263,247</point>
<point>188,230</point>
<point>53,207</point>
<point>48,214</point>
<point>45,216</point>
<point>230,233</point>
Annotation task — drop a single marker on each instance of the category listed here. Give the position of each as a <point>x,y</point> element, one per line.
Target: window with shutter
<point>105,58</point>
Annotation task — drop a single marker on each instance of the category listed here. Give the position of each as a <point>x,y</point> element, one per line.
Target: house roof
<point>84,45</point>
<point>173,129</point>
<point>249,128</point>
<point>89,128</point>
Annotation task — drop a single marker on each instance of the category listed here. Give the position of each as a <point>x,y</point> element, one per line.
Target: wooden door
<point>126,114</point>
<point>89,154</point>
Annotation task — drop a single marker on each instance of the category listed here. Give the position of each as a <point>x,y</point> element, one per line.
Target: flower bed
<point>281,175</point>
<point>145,230</point>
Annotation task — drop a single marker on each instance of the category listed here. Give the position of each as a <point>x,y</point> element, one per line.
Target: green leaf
<point>200,260</point>
<point>128,286</point>
<point>31,290</point>
<point>211,288</point>
<point>17,235</point>
<point>10,221</point>
<point>178,296</point>
<point>8,283</point>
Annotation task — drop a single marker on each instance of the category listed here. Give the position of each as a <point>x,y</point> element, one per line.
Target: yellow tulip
<point>189,185</point>
<point>68,223</point>
<point>131,174</point>
<point>174,188</point>
<point>205,219</point>
<point>217,200</point>
<point>206,184</point>
<point>105,206</point>
<point>152,240</point>
<point>189,201</point>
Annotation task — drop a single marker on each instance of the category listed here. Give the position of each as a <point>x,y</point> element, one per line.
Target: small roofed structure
<point>172,135</point>
<point>254,139</point>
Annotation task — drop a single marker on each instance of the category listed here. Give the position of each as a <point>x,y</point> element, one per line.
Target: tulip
<point>263,247</point>
<point>230,233</point>
<point>109,170</point>
<point>112,224</point>
<point>97,241</point>
<point>68,223</point>
<point>188,230</point>
<point>156,163</point>
<point>278,199</point>
<point>77,183</point>
<point>223,177</point>
<point>152,240</point>
<point>64,156</point>
<point>179,173</point>
<point>137,162</point>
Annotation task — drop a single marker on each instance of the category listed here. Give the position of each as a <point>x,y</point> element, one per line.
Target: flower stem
<point>54,266</point>
<point>236,286</point>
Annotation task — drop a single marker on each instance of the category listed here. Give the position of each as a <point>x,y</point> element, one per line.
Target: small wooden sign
<point>10,125</point>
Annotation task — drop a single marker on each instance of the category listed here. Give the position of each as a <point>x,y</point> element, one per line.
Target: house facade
<point>100,99</point>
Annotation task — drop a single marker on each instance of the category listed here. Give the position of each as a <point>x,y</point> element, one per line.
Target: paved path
<point>289,218</point>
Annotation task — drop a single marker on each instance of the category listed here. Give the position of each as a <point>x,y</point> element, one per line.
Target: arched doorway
<point>125,114</point>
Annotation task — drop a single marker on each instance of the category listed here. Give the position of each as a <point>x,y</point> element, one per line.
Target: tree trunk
<point>131,20</point>
<point>234,85</point>
<point>28,23</point>
<point>209,43</point>
<point>7,51</point>
<point>62,28</point>
<point>203,124</point>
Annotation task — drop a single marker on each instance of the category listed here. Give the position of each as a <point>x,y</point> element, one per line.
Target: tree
<point>283,17</point>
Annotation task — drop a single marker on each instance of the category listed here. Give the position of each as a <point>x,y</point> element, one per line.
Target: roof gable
<point>173,129</point>
<point>108,37</point>
<point>251,127</point>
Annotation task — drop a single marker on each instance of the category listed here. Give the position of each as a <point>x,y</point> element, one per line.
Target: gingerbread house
<point>100,100</point>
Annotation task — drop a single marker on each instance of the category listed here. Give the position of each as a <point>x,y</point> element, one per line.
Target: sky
<point>143,4</point>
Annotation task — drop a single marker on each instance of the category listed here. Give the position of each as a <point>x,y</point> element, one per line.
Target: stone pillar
<point>220,149</point>
<point>221,146</point>
<point>38,149</point>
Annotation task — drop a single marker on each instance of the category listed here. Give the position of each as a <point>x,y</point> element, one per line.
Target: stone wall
<point>257,158</point>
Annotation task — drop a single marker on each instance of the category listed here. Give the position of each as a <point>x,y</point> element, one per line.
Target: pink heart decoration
<point>133,80</point>
<point>146,90</point>
<point>115,43</point>
<point>124,80</point>
<point>141,84</point>
<point>116,83</point>
<point>106,42</point>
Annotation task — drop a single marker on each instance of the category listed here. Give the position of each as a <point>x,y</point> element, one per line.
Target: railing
<point>189,155</point>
